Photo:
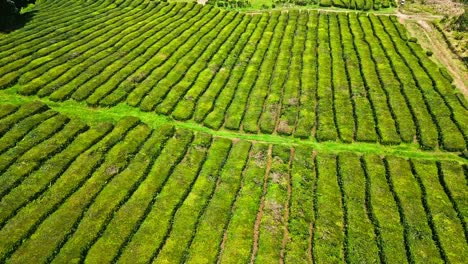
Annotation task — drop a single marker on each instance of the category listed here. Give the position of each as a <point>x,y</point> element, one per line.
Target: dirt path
<point>287,209</point>
<point>426,17</point>
<point>430,39</point>
<point>312,222</point>
<point>258,219</point>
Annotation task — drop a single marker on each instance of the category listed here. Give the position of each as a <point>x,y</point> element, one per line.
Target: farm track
<point>115,113</point>
<point>177,133</point>
<point>430,38</point>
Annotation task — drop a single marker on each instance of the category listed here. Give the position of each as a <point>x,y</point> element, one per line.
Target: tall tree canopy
<point>10,10</point>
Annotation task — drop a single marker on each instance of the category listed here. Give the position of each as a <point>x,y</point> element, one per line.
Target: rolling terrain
<point>165,194</point>
<point>144,131</point>
<point>294,73</point>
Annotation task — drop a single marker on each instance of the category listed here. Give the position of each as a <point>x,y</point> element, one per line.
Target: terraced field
<point>143,131</point>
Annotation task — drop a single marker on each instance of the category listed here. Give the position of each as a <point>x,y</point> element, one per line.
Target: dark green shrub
<point>10,12</point>
<point>301,2</point>
<point>446,74</point>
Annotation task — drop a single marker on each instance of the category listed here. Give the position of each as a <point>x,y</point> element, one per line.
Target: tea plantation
<point>145,131</point>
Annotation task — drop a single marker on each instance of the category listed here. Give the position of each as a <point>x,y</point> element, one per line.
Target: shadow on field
<point>8,24</point>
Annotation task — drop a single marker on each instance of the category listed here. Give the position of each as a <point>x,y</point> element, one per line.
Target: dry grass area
<point>459,40</point>
<point>442,7</point>
<point>431,39</point>
<point>421,17</point>
<point>450,10</point>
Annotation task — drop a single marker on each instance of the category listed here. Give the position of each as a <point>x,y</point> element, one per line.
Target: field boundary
<point>94,115</point>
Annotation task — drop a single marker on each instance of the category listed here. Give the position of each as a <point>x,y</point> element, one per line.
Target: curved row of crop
<point>437,110</point>
<point>78,73</point>
<point>290,100</point>
<point>326,121</point>
<point>342,100</point>
<point>364,5</point>
<point>261,87</point>
<point>386,128</point>
<point>364,116</point>
<point>117,187</point>
<point>300,73</point>
<point>117,71</point>
<point>51,23</point>
<point>39,74</point>
<point>140,83</point>
<point>219,45</point>
<point>29,56</point>
<point>213,113</point>
<point>306,115</point>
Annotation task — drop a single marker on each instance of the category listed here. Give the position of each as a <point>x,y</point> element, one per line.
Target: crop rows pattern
<point>332,77</point>
<point>364,5</point>
<point>71,191</point>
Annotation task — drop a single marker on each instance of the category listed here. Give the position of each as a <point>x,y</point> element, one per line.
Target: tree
<point>461,23</point>
<point>10,11</point>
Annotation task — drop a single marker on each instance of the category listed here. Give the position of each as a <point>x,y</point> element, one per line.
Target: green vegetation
<point>115,187</point>
<point>145,131</point>
<point>364,5</point>
<point>299,73</point>
<point>96,116</point>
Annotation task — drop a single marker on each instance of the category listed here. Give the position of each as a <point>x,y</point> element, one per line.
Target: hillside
<point>453,21</point>
<point>166,194</point>
<point>296,73</point>
<point>144,131</point>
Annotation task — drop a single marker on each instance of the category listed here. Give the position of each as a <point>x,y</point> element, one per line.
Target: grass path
<point>93,115</point>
